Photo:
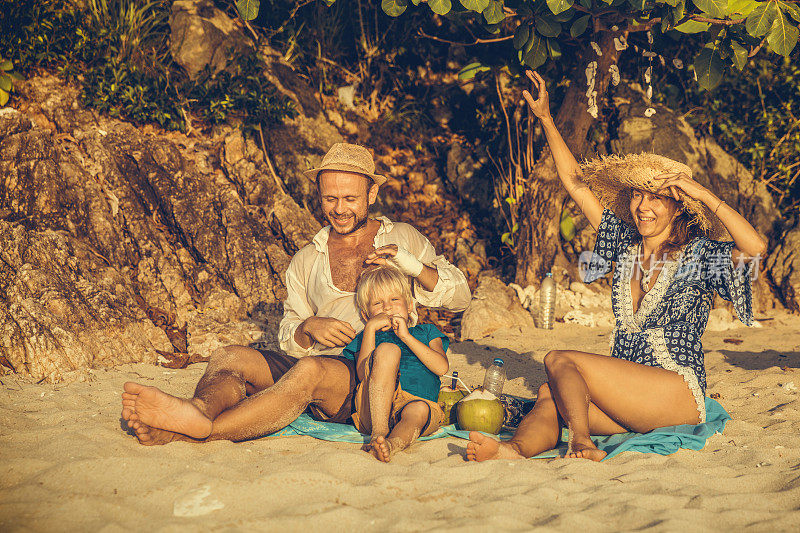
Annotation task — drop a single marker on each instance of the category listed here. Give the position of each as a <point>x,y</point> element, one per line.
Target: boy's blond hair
<point>380,280</point>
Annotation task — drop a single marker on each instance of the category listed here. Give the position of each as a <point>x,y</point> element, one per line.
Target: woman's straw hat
<point>347,158</point>
<point>612,177</point>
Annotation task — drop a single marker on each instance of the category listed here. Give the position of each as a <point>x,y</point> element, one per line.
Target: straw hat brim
<point>611,178</point>
<point>313,173</point>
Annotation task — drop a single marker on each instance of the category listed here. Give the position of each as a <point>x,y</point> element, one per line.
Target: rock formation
<point>120,242</point>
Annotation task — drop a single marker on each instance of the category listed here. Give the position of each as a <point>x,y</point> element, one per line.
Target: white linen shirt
<point>311,291</point>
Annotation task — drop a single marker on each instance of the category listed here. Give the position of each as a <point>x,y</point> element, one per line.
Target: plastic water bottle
<point>547,301</point>
<point>495,378</point>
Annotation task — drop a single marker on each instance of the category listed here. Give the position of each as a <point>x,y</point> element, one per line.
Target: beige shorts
<point>400,400</point>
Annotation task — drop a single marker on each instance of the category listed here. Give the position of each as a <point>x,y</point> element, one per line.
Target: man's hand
<point>328,331</point>
<point>391,254</point>
<point>380,322</point>
<point>400,327</point>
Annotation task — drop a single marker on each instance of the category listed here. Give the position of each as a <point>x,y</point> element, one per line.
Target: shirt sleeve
<point>296,307</point>
<point>432,332</point>
<point>614,237</point>
<point>732,282</point>
<point>351,350</point>
<point>451,291</point>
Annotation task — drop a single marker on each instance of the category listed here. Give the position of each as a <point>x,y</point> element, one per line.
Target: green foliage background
<point>118,51</point>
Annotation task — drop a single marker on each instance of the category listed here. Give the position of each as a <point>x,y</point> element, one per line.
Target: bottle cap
<point>499,362</point>
<point>549,274</point>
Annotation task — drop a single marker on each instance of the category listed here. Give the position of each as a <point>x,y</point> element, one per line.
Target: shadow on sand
<point>516,364</point>
<point>762,360</point>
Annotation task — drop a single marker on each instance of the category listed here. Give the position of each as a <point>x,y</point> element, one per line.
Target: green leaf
<point>5,82</point>
<point>248,9</point>
<point>586,3</point>
<point>783,37</point>
<point>579,26</point>
<point>440,7</point>
<point>741,7</point>
<point>553,48</point>
<point>715,8</point>
<point>559,6</point>
<point>679,11</point>
<point>739,56</point>
<point>6,65</point>
<point>548,27</point>
<point>469,72</point>
<point>708,66</point>
<point>494,12</point>
<point>637,5</point>
<point>537,55</point>
<point>394,8</point>
<point>792,9</point>
<point>567,227</point>
<point>510,201</point>
<point>475,5</point>
<point>692,26</point>
<point>3,97</point>
<point>521,36</point>
<point>505,238</point>
<point>515,228</point>
<point>760,20</point>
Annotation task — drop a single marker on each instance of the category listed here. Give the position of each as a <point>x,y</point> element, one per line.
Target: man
<point>247,393</point>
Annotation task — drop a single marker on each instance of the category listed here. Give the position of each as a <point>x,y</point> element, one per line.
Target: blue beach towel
<point>663,441</point>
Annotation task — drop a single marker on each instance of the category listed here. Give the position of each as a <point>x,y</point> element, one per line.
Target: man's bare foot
<point>158,410</point>
<point>148,436</point>
<point>483,448</point>
<point>584,450</point>
<point>381,448</point>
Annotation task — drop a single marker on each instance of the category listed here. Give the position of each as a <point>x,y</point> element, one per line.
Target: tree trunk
<point>544,197</point>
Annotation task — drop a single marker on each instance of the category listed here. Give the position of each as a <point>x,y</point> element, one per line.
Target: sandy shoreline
<point>66,465</point>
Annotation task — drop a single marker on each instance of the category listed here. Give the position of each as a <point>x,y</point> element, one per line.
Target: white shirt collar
<point>320,240</point>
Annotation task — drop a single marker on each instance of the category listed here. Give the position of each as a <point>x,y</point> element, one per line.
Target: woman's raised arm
<point>566,164</point>
<point>749,245</point>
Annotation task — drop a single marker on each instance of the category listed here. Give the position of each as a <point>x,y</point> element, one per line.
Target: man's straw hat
<point>347,158</point>
<point>612,177</point>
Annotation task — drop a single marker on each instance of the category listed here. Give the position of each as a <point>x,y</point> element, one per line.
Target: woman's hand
<point>540,106</point>
<point>673,182</point>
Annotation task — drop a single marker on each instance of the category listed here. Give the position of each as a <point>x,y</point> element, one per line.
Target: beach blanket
<point>663,441</point>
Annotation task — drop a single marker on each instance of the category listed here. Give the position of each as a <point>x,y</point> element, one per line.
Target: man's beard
<point>359,223</point>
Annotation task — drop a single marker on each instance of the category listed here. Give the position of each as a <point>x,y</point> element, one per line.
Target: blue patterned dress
<point>665,331</point>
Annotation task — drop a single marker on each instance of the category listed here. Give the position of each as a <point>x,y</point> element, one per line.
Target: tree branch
<point>421,33</point>
<point>732,22</point>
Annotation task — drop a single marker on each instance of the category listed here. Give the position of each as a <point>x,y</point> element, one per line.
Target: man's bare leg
<point>158,418</point>
<point>539,431</point>
<point>323,381</point>
<point>380,389</point>
<point>412,419</point>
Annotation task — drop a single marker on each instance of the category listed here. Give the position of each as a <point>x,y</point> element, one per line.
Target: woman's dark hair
<point>684,230</point>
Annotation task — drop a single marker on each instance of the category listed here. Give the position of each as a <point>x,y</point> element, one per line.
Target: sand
<point>66,464</point>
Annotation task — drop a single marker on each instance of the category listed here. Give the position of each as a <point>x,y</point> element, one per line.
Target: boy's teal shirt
<point>415,377</point>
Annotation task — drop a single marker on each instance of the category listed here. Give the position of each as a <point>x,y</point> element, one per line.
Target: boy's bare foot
<point>158,410</point>
<point>381,448</point>
<point>483,448</point>
<point>584,450</point>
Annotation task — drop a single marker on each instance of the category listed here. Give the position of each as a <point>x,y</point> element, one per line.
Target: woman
<point>657,230</point>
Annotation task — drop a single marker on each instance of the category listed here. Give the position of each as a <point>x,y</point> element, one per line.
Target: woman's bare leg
<point>634,396</point>
<point>539,431</point>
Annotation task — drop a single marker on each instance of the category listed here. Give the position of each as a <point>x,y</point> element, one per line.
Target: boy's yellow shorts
<point>400,400</point>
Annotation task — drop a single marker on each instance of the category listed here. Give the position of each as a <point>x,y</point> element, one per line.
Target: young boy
<point>398,367</point>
